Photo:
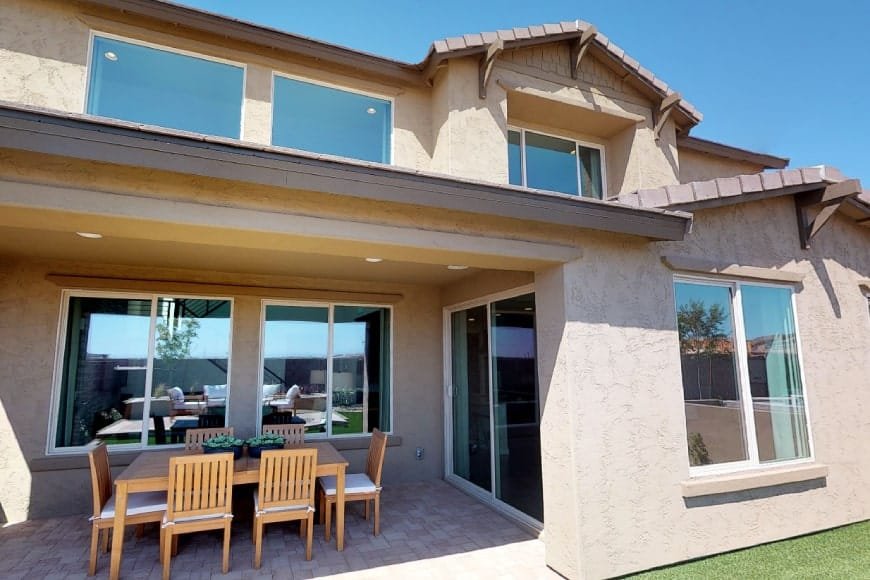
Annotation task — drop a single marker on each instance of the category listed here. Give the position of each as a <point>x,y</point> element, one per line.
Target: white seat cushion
<point>353,483</point>
<point>177,520</point>
<point>138,503</point>
<point>276,508</point>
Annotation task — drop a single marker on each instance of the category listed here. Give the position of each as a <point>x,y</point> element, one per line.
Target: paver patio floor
<point>428,530</point>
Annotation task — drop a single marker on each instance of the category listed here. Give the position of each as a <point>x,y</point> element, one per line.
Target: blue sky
<point>783,77</point>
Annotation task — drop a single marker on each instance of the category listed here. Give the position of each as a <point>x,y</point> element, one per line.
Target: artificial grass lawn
<point>840,553</point>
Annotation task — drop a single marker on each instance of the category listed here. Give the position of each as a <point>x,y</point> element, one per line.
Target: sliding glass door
<point>493,402</point>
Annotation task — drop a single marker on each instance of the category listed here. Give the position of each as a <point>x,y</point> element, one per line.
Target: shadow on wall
<point>758,493</point>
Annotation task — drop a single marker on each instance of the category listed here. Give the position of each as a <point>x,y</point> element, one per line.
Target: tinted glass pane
<point>774,373</point>
<point>360,370</point>
<point>515,159</point>
<point>295,352</point>
<point>104,369</point>
<point>714,415</point>
<point>590,172</point>
<point>515,409</point>
<point>551,163</point>
<point>191,360</point>
<point>158,87</point>
<point>325,120</point>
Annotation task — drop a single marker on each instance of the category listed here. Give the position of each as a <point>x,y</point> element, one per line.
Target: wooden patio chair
<point>143,507</point>
<point>285,493</point>
<point>293,434</point>
<point>358,486</point>
<point>199,498</point>
<point>194,438</point>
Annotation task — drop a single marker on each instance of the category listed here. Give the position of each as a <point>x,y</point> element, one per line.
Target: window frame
<point>752,463</point>
<point>60,348</point>
<point>338,87</point>
<point>93,33</point>
<point>330,306</point>
<point>577,142</point>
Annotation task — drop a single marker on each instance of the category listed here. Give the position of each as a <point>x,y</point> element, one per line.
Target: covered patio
<point>428,530</point>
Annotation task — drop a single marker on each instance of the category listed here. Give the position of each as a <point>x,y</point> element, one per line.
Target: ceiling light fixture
<point>90,235</point>
<point>371,110</point>
<point>528,308</point>
<point>374,260</point>
<point>457,267</point>
<point>110,56</point>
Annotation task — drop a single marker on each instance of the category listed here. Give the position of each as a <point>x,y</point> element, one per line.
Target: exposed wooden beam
<point>833,193</point>
<point>828,200</point>
<point>487,61</point>
<point>578,49</point>
<point>668,104</point>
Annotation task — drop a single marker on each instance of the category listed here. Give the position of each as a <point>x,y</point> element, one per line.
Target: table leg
<point>339,509</point>
<point>118,529</point>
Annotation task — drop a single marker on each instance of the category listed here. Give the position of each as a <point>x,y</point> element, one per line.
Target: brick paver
<point>428,530</point>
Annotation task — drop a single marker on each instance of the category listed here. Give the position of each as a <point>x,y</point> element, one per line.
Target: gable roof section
<point>700,145</point>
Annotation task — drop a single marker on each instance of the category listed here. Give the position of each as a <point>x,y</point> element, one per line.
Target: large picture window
<point>139,83</point>
<point>554,164</point>
<point>324,119</point>
<point>742,386</point>
<point>328,366</point>
<point>130,358</point>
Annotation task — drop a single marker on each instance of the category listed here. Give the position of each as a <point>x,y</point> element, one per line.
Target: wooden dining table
<point>150,472</point>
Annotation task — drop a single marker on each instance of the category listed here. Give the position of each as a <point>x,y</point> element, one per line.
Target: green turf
<point>840,553</point>
<point>354,423</point>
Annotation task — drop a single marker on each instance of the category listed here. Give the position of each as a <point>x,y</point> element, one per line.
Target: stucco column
<point>244,391</point>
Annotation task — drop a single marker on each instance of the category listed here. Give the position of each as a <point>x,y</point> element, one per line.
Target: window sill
<point>64,461</point>
<point>736,482</point>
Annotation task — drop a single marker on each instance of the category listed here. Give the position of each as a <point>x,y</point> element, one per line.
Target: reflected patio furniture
<point>194,438</point>
<point>199,498</point>
<point>285,493</point>
<point>358,486</point>
<point>208,421</point>
<point>293,433</point>
<point>142,507</point>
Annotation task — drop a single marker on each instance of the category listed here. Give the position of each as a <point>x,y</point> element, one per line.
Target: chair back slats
<point>194,438</point>
<point>375,459</point>
<point>200,486</point>
<point>287,478</point>
<point>101,477</point>
<point>293,434</point>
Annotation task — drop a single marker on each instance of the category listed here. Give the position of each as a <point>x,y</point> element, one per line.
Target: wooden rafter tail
<point>487,61</point>
<point>829,201</point>
<point>579,48</point>
<point>668,104</point>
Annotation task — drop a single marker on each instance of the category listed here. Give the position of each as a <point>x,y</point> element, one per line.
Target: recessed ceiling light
<point>471,319</point>
<point>371,110</point>
<point>528,308</point>
<point>110,55</point>
<point>90,235</point>
<point>457,267</point>
<point>374,260</point>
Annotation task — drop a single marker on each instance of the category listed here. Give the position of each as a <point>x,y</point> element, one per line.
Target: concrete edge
<point>733,482</point>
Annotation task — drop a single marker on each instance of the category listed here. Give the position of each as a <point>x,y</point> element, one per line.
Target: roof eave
<point>730,152</point>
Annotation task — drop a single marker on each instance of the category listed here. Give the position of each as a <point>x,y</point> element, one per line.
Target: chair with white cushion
<point>142,508</point>
<point>358,486</point>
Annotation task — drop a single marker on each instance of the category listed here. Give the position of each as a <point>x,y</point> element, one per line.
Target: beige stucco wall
<point>613,422</point>
<point>695,166</point>
<point>29,310</point>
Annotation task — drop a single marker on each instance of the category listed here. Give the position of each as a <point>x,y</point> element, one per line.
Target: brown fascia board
<point>730,152</point>
<point>96,139</point>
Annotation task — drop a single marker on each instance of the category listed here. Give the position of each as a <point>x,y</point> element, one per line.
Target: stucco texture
<point>614,429</point>
<point>695,166</point>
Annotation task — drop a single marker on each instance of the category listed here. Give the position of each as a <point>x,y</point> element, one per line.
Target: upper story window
<point>323,119</point>
<point>155,86</point>
<point>742,381</point>
<point>555,164</point>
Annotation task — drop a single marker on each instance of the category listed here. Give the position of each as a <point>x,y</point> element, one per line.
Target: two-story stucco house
<point>513,257</point>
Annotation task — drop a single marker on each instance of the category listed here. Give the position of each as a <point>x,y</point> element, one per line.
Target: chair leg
<point>302,528</point>
<point>104,540</point>
<point>92,563</point>
<point>174,544</point>
<point>328,512</point>
<point>322,507</point>
<point>166,552</point>
<point>258,542</point>
<point>367,509</point>
<point>309,527</point>
<point>226,562</point>
<point>377,513</point>
<point>140,531</point>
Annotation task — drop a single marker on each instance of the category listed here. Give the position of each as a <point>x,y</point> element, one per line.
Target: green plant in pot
<point>267,441</point>
<point>223,444</point>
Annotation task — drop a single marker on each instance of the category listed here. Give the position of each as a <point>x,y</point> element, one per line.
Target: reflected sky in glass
<point>551,164</point>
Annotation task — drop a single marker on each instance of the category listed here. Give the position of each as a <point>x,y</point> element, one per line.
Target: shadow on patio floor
<point>428,530</point>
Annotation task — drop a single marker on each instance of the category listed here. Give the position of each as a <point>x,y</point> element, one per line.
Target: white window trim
<point>95,33</point>
<point>330,306</point>
<point>57,374</point>
<point>390,98</point>
<point>577,142</point>
<point>752,463</point>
